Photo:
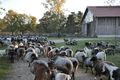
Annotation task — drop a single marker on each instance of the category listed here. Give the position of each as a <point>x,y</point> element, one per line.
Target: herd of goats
<point>62,62</point>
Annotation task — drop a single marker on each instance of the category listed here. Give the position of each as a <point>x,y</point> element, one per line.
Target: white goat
<point>87,51</point>
<point>78,56</point>
<point>101,56</point>
<point>62,76</point>
<point>2,53</point>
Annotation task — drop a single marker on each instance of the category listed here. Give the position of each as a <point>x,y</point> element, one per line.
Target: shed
<point>101,21</point>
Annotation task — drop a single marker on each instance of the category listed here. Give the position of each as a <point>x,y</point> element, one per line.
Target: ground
<point>20,71</point>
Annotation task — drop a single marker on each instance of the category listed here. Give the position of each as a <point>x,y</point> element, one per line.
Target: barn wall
<point>84,30</point>
<point>107,27</point>
<point>87,24</point>
<point>93,27</point>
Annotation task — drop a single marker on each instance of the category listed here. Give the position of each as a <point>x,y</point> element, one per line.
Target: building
<point>101,21</point>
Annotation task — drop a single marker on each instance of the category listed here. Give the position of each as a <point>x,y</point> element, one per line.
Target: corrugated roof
<point>105,11</point>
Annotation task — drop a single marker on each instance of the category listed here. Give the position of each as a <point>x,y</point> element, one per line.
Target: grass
<point>5,63</point>
<point>2,47</point>
<point>113,58</point>
<point>4,67</point>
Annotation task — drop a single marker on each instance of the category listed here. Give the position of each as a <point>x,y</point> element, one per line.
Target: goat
<point>65,40</point>
<point>1,42</point>
<point>101,56</point>
<point>66,52</point>
<point>104,44</point>
<point>60,68</point>
<point>96,50</point>
<point>65,62</point>
<point>52,43</point>
<point>109,51</point>
<point>117,48</point>
<point>88,43</point>
<point>55,51</point>
<point>62,76</point>
<point>87,51</point>
<point>2,53</point>
<point>73,42</point>
<point>75,65</point>
<point>38,51</point>
<point>30,49</point>
<point>63,48</point>
<point>87,63</point>
<point>46,50</point>
<point>69,52</point>
<point>11,54</point>
<point>98,66</point>
<point>42,72</point>
<point>30,57</point>
<point>78,55</point>
<point>116,74</point>
<point>114,71</point>
<point>40,62</point>
<point>20,53</point>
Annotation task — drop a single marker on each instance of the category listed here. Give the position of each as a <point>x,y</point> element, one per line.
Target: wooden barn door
<point>88,29</point>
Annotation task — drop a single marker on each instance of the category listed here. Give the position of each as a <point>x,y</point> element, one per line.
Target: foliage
<point>50,23</point>
<point>112,2</point>
<point>2,25</point>
<point>54,5</point>
<point>73,24</point>
<point>19,22</point>
<point>54,19</point>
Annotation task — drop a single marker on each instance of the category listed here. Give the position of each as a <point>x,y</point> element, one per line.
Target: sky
<point>35,8</point>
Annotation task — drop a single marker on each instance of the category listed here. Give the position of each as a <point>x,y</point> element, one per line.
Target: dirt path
<point>20,71</point>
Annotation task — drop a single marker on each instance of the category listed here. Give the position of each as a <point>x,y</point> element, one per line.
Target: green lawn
<point>114,58</point>
<point>4,67</point>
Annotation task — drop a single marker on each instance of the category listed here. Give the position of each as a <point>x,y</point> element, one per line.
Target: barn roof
<point>105,11</point>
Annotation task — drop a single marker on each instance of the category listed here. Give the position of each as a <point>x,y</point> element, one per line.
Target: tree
<point>56,12</point>
<point>2,25</point>
<point>112,2</point>
<point>11,19</point>
<point>31,23</point>
<point>19,22</point>
<point>26,23</point>
<point>78,22</point>
<point>54,5</point>
<point>73,24</point>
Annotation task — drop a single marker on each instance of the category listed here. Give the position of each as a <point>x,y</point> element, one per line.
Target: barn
<point>101,21</point>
